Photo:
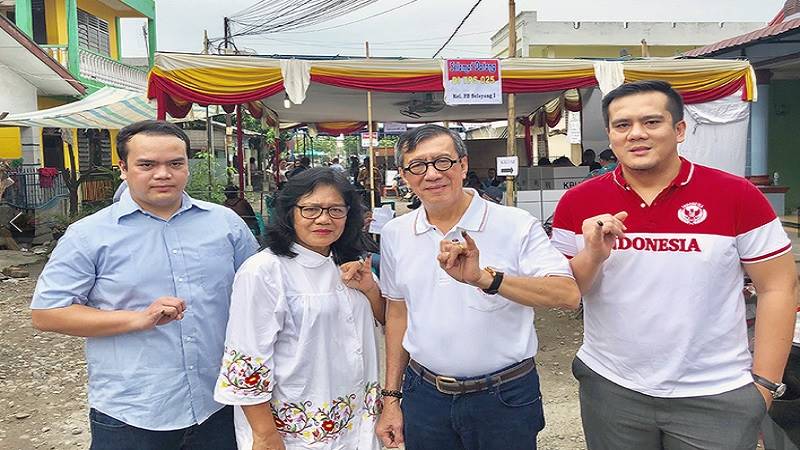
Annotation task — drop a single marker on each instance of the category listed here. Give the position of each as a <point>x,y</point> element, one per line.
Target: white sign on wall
<point>573,127</point>
<point>507,166</point>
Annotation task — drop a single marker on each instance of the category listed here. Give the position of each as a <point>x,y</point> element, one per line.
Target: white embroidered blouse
<point>300,339</point>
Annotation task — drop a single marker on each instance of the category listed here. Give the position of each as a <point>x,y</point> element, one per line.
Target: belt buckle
<point>440,380</point>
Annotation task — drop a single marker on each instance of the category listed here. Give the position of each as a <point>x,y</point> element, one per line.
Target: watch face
<point>781,389</point>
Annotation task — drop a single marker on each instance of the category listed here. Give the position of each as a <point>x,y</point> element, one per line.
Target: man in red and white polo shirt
<point>659,248</point>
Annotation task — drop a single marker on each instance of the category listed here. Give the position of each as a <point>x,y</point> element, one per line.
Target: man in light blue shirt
<point>148,281</point>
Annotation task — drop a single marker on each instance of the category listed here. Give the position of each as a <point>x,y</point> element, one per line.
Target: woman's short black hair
<point>280,235</point>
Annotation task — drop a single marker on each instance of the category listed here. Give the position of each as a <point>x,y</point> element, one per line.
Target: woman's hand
<point>358,275</point>
<point>270,442</point>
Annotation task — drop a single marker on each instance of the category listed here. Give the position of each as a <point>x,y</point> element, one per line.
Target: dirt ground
<point>43,379</point>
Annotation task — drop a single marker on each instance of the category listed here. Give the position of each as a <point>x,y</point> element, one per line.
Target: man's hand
<point>600,233</point>
<point>162,311</point>
<point>766,394</point>
<point>358,275</point>
<point>460,260</point>
<point>390,425</point>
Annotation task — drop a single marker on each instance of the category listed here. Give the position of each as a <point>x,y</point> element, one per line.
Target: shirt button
<point>188,339</point>
<point>643,205</point>
<point>358,351</point>
<point>180,279</point>
<point>174,251</point>
<point>350,319</point>
<point>191,367</point>
<point>339,287</point>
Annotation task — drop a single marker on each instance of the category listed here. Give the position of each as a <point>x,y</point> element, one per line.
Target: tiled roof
<point>758,35</point>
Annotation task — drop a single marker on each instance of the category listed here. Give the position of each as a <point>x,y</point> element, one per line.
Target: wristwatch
<point>777,389</point>
<point>497,278</point>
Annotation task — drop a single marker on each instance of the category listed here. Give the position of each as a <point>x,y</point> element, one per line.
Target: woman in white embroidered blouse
<point>301,354</point>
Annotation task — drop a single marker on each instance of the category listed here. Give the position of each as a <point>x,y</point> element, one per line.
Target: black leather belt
<point>453,386</point>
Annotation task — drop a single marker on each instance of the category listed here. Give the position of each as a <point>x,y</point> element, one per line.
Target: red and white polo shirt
<point>666,315</point>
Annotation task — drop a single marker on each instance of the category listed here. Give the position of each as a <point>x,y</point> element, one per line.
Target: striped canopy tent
<point>330,92</point>
<point>108,108</point>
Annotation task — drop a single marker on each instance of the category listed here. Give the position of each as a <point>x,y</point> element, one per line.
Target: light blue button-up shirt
<point>123,258</point>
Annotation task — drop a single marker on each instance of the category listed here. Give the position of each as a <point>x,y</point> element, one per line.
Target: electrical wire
<point>457,28</point>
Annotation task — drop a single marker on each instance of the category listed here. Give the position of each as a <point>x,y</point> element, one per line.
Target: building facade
<point>83,36</point>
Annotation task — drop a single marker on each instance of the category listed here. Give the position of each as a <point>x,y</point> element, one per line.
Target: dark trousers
<point>216,433</point>
<point>616,418</point>
<point>505,417</point>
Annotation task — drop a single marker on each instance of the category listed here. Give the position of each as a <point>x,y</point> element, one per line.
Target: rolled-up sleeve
<point>256,317</point>
<point>68,276</point>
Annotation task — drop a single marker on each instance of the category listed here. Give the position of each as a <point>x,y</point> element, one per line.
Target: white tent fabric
<point>609,74</point>
<point>716,134</point>
<point>108,108</point>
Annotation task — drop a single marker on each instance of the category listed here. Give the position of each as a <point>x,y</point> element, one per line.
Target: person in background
<point>472,181</point>
<point>301,350</point>
<point>588,160</point>
<point>148,280</point>
<point>608,162</point>
<point>241,206</point>
<point>543,161</point>
<point>353,170</point>
<point>493,180</point>
<point>303,165</point>
<point>335,165</point>
<point>563,161</point>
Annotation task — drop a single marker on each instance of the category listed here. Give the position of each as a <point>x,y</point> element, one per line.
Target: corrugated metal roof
<point>763,33</point>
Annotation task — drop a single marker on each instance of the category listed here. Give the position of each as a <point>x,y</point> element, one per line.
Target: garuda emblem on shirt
<point>692,213</point>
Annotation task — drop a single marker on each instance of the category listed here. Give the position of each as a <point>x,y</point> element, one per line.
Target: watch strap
<point>772,387</point>
<point>496,281</point>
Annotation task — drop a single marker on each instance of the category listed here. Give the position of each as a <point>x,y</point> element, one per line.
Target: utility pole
<point>226,25</point>
<point>511,142</point>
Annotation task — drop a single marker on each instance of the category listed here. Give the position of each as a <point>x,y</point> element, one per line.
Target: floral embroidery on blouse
<point>244,375</point>
<point>324,424</point>
<point>373,403</point>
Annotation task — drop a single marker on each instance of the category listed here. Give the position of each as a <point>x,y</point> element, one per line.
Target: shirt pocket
<point>487,302</point>
<point>215,265</point>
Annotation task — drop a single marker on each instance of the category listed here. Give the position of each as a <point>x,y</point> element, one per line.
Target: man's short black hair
<point>305,162</point>
<point>674,99</point>
<point>149,127</point>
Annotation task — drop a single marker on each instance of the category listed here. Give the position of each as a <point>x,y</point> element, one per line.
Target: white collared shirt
<point>455,329</point>
<point>301,340</point>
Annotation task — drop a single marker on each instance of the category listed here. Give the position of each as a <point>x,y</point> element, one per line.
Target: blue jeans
<point>216,433</point>
<point>505,417</point>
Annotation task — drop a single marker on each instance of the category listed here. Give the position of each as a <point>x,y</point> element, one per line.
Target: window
<point>93,33</point>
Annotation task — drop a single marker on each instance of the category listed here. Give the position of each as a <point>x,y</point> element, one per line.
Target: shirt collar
<point>474,218</point>
<point>127,206</point>
<point>683,178</point>
<point>307,257</point>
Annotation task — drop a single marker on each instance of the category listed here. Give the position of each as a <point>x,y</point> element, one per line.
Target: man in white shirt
<point>462,275</point>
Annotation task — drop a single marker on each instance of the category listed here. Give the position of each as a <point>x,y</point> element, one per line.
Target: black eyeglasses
<point>312,212</point>
<point>442,164</point>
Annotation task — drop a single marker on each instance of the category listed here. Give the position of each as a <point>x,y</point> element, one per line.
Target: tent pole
<point>511,141</point>
<point>210,150</point>
<point>370,148</point>
<point>239,149</point>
